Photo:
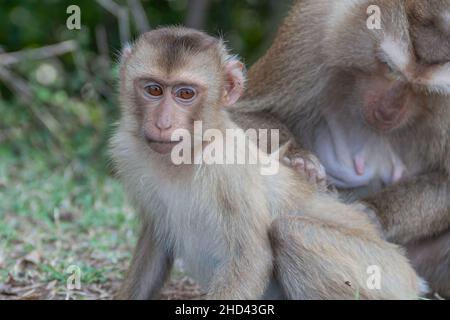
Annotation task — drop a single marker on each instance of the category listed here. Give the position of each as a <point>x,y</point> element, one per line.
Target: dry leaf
<point>6,289</point>
<point>51,285</point>
<point>32,295</point>
<point>33,257</point>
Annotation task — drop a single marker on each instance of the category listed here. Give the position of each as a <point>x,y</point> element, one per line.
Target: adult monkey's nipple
<point>360,164</point>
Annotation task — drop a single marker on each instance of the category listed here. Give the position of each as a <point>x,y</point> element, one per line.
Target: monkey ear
<point>126,52</point>
<point>236,80</point>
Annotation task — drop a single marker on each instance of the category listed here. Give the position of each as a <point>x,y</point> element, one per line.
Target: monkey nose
<point>163,123</point>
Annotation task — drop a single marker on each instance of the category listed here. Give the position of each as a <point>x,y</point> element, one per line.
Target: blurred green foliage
<point>72,113</point>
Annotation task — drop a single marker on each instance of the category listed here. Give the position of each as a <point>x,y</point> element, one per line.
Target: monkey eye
<point>387,65</point>
<point>154,90</point>
<point>186,94</point>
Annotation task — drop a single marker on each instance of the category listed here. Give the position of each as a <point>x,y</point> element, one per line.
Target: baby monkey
<point>241,234</point>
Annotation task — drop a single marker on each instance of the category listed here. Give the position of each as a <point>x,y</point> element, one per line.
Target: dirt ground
<point>178,288</point>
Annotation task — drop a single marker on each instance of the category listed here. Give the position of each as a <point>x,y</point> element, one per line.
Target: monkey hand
<point>307,165</point>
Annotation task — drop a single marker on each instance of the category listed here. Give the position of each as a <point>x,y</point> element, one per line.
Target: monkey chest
<point>200,259</point>
<point>354,158</point>
<point>197,241</point>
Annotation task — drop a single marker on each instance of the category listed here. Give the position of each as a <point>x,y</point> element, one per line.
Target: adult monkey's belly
<point>355,157</point>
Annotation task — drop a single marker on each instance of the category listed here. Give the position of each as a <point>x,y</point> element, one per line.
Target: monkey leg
<point>431,259</point>
<point>149,269</point>
<point>317,259</point>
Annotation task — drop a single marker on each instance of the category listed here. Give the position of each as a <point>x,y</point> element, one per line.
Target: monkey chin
<point>162,147</point>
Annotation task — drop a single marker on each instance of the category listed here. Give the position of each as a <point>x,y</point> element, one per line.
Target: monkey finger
<point>308,166</point>
<point>315,168</point>
<point>322,184</point>
<point>298,163</point>
<point>321,173</point>
<point>314,179</point>
<point>287,161</point>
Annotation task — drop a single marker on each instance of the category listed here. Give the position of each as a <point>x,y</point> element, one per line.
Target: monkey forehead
<point>198,69</point>
<point>172,47</point>
<point>179,38</point>
<point>177,52</point>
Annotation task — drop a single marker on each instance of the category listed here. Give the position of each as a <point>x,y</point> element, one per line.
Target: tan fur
<point>222,218</point>
<point>312,72</point>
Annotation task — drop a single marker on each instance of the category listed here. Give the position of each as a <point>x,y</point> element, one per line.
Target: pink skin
<point>355,157</point>
<point>310,167</point>
<point>360,164</point>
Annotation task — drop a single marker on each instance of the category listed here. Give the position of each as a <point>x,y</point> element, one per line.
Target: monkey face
<point>399,68</point>
<point>165,107</point>
<point>165,83</point>
<point>173,77</point>
<point>387,102</point>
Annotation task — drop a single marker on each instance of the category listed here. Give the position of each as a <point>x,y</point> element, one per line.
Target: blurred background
<point>59,204</point>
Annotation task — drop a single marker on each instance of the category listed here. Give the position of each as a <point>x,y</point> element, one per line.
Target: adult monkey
<point>374,106</point>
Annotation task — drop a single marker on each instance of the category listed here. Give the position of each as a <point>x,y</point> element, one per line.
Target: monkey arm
<point>414,209</point>
<point>150,267</point>
<point>248,269</point>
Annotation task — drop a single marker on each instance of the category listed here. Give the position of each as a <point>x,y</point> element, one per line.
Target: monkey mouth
<point>162,146</point>
<point>164,141</point>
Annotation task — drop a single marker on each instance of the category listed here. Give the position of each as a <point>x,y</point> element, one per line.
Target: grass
<point>55,217</point>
